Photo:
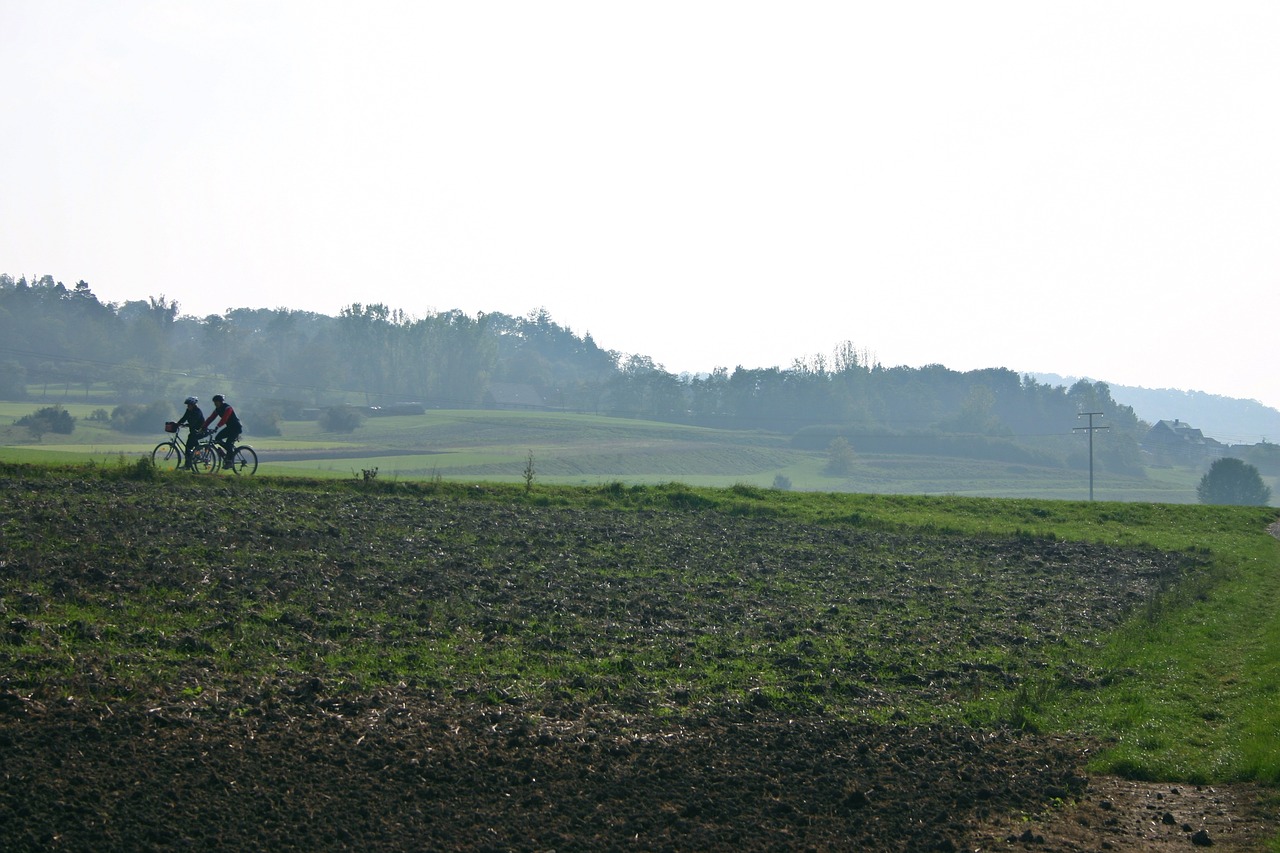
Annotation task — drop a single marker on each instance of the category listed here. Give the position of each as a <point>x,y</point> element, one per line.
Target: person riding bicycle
<point>193,418</point>
<point>228,423</point>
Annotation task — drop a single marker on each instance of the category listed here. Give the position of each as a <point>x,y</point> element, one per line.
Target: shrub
<point>340,419</point>
<point>49,419</point>
<point>1231,481</point>
<point>135,417</point>
<point>13,381</point>
<point>267,423</point>
<point>840,458</point>
<point>142,469</point>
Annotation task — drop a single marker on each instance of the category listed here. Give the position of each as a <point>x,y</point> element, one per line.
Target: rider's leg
<point>228,444</point>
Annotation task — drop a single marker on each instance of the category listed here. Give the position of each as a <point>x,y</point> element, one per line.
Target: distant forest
<point>276,363</point>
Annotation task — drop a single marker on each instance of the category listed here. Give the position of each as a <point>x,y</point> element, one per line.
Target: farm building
<point>1179,440</point>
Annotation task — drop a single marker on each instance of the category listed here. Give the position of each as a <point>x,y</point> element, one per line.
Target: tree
<point>1231,481</point>
<point>840,457</point>
<point>975,416</point>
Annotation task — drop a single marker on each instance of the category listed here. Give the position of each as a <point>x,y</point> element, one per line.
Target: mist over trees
<point>63,342</point>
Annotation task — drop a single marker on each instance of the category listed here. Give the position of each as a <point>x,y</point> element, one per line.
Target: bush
<point>49,419</point>
<point>266,424</point>
<point>1231,481</point>
<point>142,469</point>
<point>340,419</point>
<point>840,458</point>
<point>134,417</point>
<point>13,381</point>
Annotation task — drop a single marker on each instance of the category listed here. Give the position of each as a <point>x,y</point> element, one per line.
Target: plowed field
<point>213,667</point>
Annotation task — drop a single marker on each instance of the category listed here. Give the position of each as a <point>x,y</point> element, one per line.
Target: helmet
<point>218,398</point>
<point>191,401</point>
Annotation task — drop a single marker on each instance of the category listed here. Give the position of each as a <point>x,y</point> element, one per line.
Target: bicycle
<point>243,459</point>
<point>205,458</point>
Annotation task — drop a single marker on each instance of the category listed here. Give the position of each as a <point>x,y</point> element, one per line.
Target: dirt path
<point>1124,815</point>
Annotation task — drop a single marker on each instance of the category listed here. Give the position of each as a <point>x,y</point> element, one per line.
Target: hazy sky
<point>1083,188</point>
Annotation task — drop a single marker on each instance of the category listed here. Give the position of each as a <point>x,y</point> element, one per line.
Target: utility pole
<point>1090,429</point>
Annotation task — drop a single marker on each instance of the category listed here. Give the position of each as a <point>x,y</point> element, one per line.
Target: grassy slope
<point>574,449</point>
<point>1193,693</point>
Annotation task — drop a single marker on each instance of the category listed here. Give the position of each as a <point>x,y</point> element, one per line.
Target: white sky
<point>1083,188</point>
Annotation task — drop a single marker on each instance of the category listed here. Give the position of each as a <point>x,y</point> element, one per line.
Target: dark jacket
<point>193,418</point>
<point>226,417</point>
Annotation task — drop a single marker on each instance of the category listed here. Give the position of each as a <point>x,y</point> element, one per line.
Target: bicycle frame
<point>207,455</point>
<point>239,458</point>
<point>173,453</point>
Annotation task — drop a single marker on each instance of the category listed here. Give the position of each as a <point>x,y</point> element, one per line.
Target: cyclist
<point>194,420</point>
<point>228,423</point>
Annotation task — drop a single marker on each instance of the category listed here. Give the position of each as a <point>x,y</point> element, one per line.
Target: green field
<point>579,449</point>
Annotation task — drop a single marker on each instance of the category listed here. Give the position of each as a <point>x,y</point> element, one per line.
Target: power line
<point>1091,429</point>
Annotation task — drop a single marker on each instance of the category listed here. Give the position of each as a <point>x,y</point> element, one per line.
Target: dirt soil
<point>294,763</point>
<point>1122,814</point>
<point>299,772</point>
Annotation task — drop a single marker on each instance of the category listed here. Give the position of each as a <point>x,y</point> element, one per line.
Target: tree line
<point>58,339</point>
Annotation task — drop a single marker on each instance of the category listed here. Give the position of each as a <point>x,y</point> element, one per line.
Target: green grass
<point>1193,687</point>
<point>587,450</point>
<point>11,410</point>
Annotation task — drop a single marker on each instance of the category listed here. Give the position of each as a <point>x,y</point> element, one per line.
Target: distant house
<point>1176,439</point>
<point>511,395</point>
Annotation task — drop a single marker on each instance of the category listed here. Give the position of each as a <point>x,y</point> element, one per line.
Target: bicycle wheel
<point>244,460</point>
<point>205,460</point>
<point>167,455</point>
